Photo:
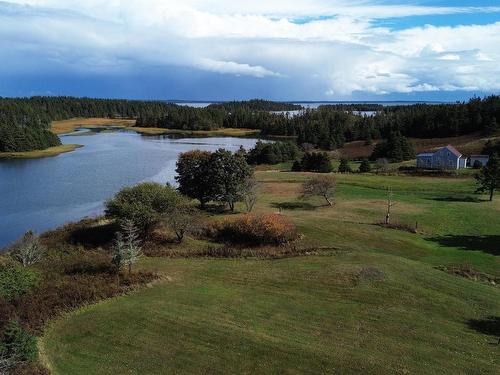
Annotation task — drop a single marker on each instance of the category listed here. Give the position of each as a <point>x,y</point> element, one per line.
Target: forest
<point>24,122</point>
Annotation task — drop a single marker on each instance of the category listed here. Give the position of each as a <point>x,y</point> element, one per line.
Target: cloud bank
<point>333,48</point>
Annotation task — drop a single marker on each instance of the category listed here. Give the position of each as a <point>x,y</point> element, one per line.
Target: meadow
<point>366,299</point>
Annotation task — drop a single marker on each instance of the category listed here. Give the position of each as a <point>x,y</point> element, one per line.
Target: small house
<point>445,158</point>
<point>481,159</point>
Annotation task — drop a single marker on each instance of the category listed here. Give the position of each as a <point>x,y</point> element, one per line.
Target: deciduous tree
<point>28,250</point>
<point>322,186</point>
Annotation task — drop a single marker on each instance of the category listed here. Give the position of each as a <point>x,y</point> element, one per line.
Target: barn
<point>445,158</point>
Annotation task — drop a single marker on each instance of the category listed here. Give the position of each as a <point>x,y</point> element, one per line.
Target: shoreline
<point>37,154</point>
<point>66,127</point>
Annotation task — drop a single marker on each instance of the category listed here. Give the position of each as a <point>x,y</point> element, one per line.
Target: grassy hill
<point>470,144</point>
<point>368,300</point>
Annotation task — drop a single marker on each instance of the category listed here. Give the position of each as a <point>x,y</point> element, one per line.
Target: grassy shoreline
<point>36,154</point>
<point>225,132</point>
<point>69,126</point>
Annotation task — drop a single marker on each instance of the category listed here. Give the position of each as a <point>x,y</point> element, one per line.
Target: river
<point>40,194</point>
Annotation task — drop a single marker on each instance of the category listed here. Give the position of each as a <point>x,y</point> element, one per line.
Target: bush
<point>16,281</point>
<point>267,229</point>
<point>365,166</point>
<point>18,345</point>
<point>143,204</point>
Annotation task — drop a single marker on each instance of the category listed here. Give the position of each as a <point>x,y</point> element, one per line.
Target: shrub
<point>16,281</point>
<point>267,229</point>
<point>365,166</point>
<point>18,345</point>
<point>143,204</point>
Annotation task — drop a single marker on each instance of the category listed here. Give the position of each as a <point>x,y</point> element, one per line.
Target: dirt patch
<point>468,272</point>
<point>355,150</point>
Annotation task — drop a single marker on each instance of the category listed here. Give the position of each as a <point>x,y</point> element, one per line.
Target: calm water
<point>44,193</point>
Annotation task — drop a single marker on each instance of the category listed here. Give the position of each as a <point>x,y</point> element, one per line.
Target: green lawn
<point>380,307</point>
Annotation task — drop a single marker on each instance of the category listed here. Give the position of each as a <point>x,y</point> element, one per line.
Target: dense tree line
<point>327,127</point>
<point>396,148</point>
<point>25,122</point>
<point>256,105</point>
<point>273,153</point>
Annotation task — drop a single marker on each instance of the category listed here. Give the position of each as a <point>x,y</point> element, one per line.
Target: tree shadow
<point>489,244</point>
<point>293,205</point>
<point>467,199</point>
<point>488,326</point>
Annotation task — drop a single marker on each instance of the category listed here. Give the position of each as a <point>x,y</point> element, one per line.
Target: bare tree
<point>390,204</point>
<point>250,188</point>
<point>127,248</point>
<point>322,186</point>
<point>182,220</point>
<point>28,250</point>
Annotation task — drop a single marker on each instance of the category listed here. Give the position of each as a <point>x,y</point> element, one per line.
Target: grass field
<point>52,151</point>
<point>376,306</point>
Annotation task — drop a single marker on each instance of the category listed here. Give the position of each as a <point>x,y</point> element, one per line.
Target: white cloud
<point>449,57</point>
<point>232,67</point>
<point>333,46</point>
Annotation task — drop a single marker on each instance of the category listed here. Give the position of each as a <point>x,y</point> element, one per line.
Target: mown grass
<point>313,314</point>
<point>51,151</point>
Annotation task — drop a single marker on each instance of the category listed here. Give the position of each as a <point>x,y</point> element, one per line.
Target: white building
<point>445,158</point>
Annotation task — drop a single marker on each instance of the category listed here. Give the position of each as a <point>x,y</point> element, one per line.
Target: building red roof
<point>454,151</point>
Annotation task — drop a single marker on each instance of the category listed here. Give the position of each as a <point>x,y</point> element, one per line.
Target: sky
<point>291,50</point>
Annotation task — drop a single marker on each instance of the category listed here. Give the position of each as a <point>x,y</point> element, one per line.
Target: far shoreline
<point>37,154</point>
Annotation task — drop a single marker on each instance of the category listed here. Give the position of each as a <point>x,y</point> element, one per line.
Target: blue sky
<point>275,49</point>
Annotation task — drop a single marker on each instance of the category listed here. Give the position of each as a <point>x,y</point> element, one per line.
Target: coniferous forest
<point>25,122</point>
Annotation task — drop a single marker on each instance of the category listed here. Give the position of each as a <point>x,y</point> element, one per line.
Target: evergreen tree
<point>365,166</point>
<point>344,166</point>
<point>488,178</point>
